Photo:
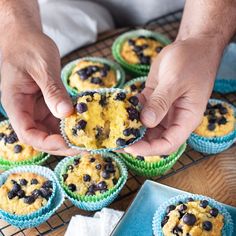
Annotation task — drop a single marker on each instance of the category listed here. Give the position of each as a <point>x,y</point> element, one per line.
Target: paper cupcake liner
<point>67,69</point>
<point>2,111</point>
<point>133,81</point>
<point>160,213</point>
<point>225,85</point>
<point>153,165</point>
<point>101,150</point>
<point>43,171</point>
<point>36,221</point>
<point>213,145</point>
<point>96,202</point>
<point>135,68</point>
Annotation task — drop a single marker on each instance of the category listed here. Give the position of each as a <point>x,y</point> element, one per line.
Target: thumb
<point>156,106</point>
<point>56,97</point>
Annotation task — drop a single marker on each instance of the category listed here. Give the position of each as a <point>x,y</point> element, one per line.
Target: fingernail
<point>149,116</point>
<point>64,108</point>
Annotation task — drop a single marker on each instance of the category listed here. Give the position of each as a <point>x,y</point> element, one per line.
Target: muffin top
<point>140,50</point>
<point>218,120</point>
<point>108,120</point>
<point>91,175</point>
<point>136,87</point>
<point>92,75</point>
<point>150,159</point>
<point>192,218</point>
<point>23,193</point>
<point>10,147</point>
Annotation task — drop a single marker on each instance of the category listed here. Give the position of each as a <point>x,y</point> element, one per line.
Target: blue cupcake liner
<point>225,85</point>
<point>161,211</point>
<point>40,170</point>
<point>213,145</point>
<point>2,111</point>
<point>101,150</point>
<point>38,220</point>
<point>91,204</point>
<point>67,69</point>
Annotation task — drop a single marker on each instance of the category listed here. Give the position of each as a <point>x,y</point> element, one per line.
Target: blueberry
<point>211,126</point>
<point>209,106</point>
<point>158,48</point>
<point>29,200</point>
<point>207,225</point>
<point>109,167</point>
<point>81,125</point>
<point>70,167</point>
<point>82,71</point>
<point>127,132</point>
<point>23,182</point>
<point>129,141</point>
<point>170,208</point>
<point>96,80</point>
<point>212,119</point>
<point>102,185</point>
<point>103,101</point>
<point>223,110</point>
<point>46,193</point>
<point>21,193</point>
<point>95,68</point>
<point>16,187</point>
<point>133,87</point>
<point>81,107</point>
<point>131,42</point>
<point>212,112</point>
<point>103,72</point>
<point>107,159</point>
<point>183,207</point>
<point>13,181</point>
<point>92,188</point>
<point>86,178</point>
<point>145,60</point>
<point>47,184</point>
<point>217,106</point>
<point>114,181</point>
<point>76,161</point>
<point>2,135</point>
<point>72,187</point>
<point>140,158</point>
<point>189,219</point>
<point>190,199</point>
<point>92,159</point>
<point>222,121</point>
<point>135,132</point>
<point>164,221</point>
<point>90,193</point>
<point>164,156</point>
<point>120,142</point>
<point>142,86</point>
<point>137,49</point>
<point>134,100</point>
<point>204,203</point>
<point>34,181</point>
<point>12,138</point>
<point>214,212</point>
<point>74,132</point>
<point>106,174</point>
<point>11,194</point>
<point>36,193</point>
<point>98,166</point>
<point>64,176</point>
<point>17,148</point>
<point>144,46</point>
<point>176,230</point>
<point>120,96</point>
<point>133,113</point>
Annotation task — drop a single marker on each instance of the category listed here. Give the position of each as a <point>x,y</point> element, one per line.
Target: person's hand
<point>32,92</point>
<point>178,87</point>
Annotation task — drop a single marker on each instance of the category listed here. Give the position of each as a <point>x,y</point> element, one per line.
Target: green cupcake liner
<point>136,69</point>
<point>101,150</point>
<point>62,167</point>
<point>133,81</point>
<point>67,70</point>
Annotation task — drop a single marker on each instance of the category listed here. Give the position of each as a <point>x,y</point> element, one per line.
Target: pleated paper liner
<point>134,81</point>
<point>101,150</point>
<point>136,69</point>
<point>225,85</point>
<point>67,70</point>
<point>161,212</point>
<point>213,145</point>
<point>43,171</point>
<point>94,202</point>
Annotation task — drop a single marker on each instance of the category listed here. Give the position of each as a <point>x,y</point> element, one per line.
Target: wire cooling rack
<point>167,25</point>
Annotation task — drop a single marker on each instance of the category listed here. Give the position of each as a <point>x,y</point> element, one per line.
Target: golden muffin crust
<point>92,75</point>
<point>91,175</point>
<point>23,193</point>
<point>11,148</point>
<point>136,87</point>
<point>218,120</point>
<point>140,50</point>
<point>104,121</point>
<point>193,218</point>
<point>150,159</point>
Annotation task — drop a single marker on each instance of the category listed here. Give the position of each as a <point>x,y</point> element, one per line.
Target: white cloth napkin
<point>72,24</point>
<point>101,224</point>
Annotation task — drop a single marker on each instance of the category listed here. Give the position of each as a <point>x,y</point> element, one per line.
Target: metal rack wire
<point>167,25</point>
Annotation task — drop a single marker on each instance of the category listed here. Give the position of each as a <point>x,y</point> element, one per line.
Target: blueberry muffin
<point>136,87</point>
<point>91,175</point>
<point>103,120</point>
<point>140,50</point>
<point>218,120</point>
<point>91,75</point>
<point>192,218</point>
<point>11,148</point>
<point>24,193</point>
<point>150,159</point>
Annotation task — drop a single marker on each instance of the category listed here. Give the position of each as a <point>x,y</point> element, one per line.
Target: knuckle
<point>52,90</point>
<point>160,101</point>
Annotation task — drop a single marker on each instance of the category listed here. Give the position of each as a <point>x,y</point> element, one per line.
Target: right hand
<point>32,92</point>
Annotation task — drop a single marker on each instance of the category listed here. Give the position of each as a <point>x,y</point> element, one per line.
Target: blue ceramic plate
<point>137,221</point>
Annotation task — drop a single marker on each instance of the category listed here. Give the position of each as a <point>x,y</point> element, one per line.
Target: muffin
<point>92,182</point>
<point>103,120</point>
<point>192,215</point>
<point>91,73</point>
<point>24,193</point>
<point>218,120</point>
<point>136,85</point>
